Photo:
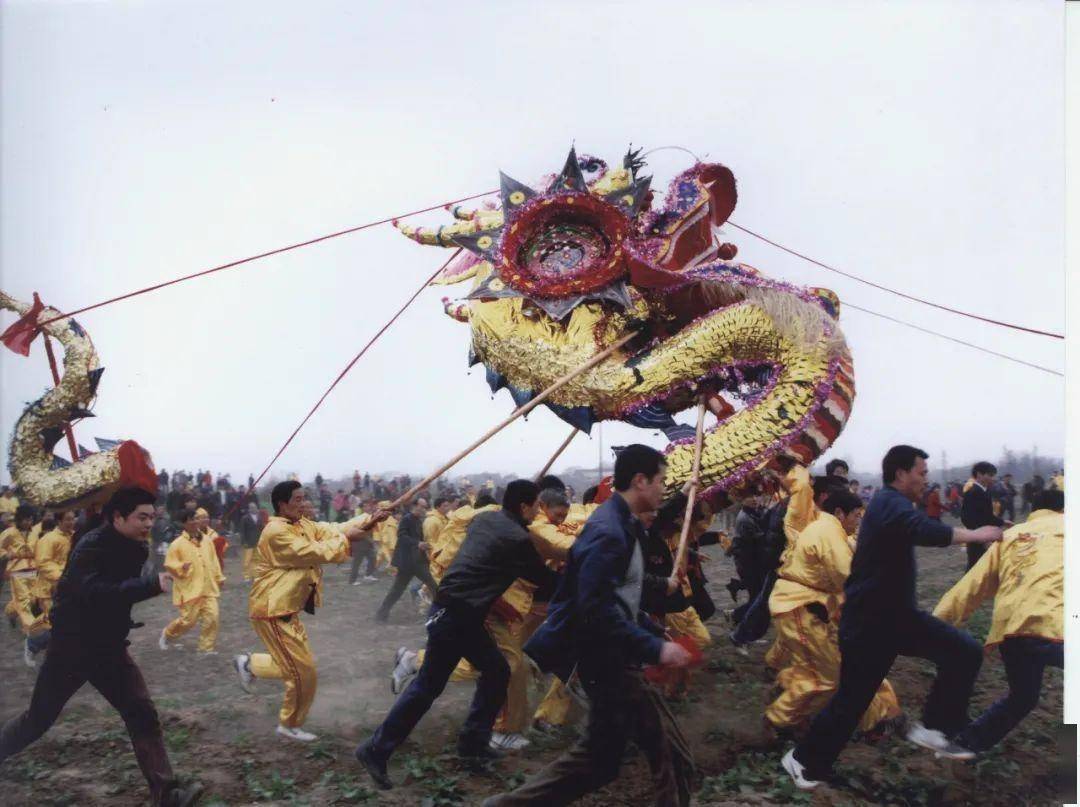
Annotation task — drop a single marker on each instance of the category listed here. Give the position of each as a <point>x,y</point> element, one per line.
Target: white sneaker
<point>797,771</point>
<point>242,663</point>
<point>404,668</point>
<point>28,657</point>
<point>163,640</point>
<point>296,734</point>
<point>508,742</point>
<point>208,652</point>
<point>356,583</point>
<point>370,578</point>
<point>920,735</point>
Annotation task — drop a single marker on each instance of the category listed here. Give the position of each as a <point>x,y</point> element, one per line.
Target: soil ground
<point>226,738</point>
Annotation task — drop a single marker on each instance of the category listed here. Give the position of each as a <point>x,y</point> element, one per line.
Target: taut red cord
<point>894,291</point>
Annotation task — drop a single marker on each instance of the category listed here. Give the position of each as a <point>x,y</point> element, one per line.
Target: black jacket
<point>100,584</point>
<point>410,533</point>
<point>774,540</point>
<point>496,551</point>
<point>977,509</point>
<point>250,531</point>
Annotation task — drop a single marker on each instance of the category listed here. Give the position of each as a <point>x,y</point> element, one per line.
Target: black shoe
<point>365,755</point>
<point>183,795</point>
<point>483,753</point>
<point>381,619</point>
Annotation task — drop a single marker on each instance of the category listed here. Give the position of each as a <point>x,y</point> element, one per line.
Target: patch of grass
<point>320,752</point>
<point>275,788</point>
<point>350,790</point>
<point>754,773</point>
<point>29,770</point>
<point>177,738</point>
<point>442,789</point>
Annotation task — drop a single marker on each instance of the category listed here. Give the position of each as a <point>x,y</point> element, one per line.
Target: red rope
<point>894,291</point>
<point>345,372</point>
<point>953,339</point>
<point>278,251</point>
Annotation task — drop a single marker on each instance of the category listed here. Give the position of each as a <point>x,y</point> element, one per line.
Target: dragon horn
<point>438,237</point>
<point>462,213</point>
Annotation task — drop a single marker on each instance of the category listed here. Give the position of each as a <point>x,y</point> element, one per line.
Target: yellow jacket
<point>18,549</point>
<point>801,510</point>
<point>50,557</point>
<point>433,526</point>
<point>288,565</point>
<point>385,535</point>
<point>816,568</point>
<point>203,578</point>
<point>8,504</point>
<point>1025,573</point>
<point>553,544</point>
<point>452,536</point>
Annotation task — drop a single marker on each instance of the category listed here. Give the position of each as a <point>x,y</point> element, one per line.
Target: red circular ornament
<point>569,243</point>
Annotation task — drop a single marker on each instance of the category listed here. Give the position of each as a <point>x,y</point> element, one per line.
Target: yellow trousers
<point>556,706</point>
<point>688,623</point>
<point>22,598</point>
<point>289,660</point>
<point>513,718</point>
<point>807,653</point>
<point>247,555</point>
<point>203,611</point>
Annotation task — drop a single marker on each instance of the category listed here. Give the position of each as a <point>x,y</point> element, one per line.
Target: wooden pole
<point>684,536</point>
<point>56,382</point>
<point>569,439</point>
<point>521,410</point>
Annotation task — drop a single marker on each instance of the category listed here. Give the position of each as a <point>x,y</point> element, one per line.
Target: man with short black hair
<point>836,467</point>
<point>977,509</point>
<point>881,620</point>
<point>497,550</point>
<point>595,626</point>
<point>410,558</point>
<point>91,617</point>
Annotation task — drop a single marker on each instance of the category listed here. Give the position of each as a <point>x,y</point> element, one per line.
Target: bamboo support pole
<point>519,412</point>
<point>565,443</point>
<point>695,482</point>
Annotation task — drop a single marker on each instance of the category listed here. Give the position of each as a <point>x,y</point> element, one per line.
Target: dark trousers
<point>756,619</point>
<point>401,582</point>
<point>361,551</point>
<point>453,634</point>
<point>753,579</point>
<point>974,552</point>
<point>621,709</point>
<point>111,672</point>
<point>865,660</point>
<point>1025,657</point>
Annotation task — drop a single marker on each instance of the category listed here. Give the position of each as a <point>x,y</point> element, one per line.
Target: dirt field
<point>226,738</point>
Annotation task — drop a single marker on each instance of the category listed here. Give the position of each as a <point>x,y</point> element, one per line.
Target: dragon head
<point>561,271</point>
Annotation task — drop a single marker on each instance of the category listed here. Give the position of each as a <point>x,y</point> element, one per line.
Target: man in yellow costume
<point>288,579</point>
<point>805,607</point>
<point>50,557</point>
<point>192,562</point>
<point>385,537</point>
<point>1025,574</point>
<point>17,548</point>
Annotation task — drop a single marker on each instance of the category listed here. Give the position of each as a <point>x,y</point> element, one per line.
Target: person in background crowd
<point>91,617</point>
<point>747,550</point>
<point>837,467</point>
<point>1025,574</point>
<point>932,502</point>
<point>977,509</point>
<point>249,539</point>
<point>364,551</point>
<point>193,564</point>
<point>18,549</point>
<point>9,502</point>
<point>410,558</point>
<point>1007,491</point>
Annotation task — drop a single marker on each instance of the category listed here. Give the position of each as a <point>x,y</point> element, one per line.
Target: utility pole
<point>944,469</point>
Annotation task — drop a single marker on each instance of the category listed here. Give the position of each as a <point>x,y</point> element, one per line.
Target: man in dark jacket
<point>497,550</point>
<point>595,625</point>
<point>91,617</point>
<point>410,558</point>
<point>977,509</point>
<point>748,552</point>
<point>881,620</point>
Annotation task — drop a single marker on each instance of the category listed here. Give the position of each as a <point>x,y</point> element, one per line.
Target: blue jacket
<point>585,621</point>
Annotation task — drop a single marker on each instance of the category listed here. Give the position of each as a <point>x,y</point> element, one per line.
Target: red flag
<point>19,336</point>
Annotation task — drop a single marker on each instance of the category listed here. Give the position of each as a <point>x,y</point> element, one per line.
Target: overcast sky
<point>916,144</point>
